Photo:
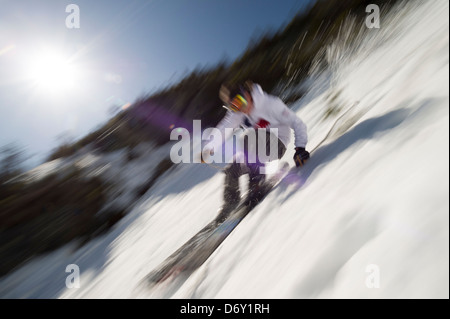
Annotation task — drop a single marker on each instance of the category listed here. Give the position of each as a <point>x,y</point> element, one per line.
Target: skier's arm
<point>231,120</point>
<point>289,118</point>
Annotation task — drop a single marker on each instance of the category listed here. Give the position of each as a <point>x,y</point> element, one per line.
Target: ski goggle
<point>238,103</point>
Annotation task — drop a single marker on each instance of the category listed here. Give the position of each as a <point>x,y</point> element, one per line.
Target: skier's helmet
<point>234,97</point>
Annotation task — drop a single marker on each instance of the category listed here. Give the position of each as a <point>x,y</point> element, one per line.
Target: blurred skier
<point>249,105</point>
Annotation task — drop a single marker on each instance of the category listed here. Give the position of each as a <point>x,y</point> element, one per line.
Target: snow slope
<point>373,199</point>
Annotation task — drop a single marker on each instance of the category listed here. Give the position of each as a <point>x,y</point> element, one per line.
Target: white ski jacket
<point>269,112</point>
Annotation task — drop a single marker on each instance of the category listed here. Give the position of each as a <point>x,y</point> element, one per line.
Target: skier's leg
<point>231,191</point>
<point>231,194</point>
<point>256,176</point>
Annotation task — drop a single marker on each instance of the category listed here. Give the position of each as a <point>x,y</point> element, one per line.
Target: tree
<point>11,161</point>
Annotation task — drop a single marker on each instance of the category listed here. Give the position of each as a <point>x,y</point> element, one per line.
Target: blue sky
<point>122,50</point>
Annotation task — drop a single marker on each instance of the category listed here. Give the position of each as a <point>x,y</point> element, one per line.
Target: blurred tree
<point>12,158</point>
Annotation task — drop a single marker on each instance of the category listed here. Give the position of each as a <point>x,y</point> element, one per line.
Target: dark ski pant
<point>232,192</point>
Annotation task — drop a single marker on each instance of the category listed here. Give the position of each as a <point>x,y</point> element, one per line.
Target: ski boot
<point>231,199</point>
<point>256,190</point>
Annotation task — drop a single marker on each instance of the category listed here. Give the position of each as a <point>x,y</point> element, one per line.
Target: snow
<point>375,196</point>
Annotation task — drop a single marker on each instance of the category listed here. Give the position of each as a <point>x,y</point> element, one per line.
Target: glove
<point>301,156</point>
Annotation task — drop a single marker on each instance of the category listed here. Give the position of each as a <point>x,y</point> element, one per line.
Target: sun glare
<point>52,72</point>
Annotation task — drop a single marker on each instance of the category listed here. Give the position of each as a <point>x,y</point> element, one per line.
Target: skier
<point>248,104</point>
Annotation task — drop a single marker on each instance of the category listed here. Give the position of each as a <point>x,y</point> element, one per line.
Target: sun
<point>53,72</point>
